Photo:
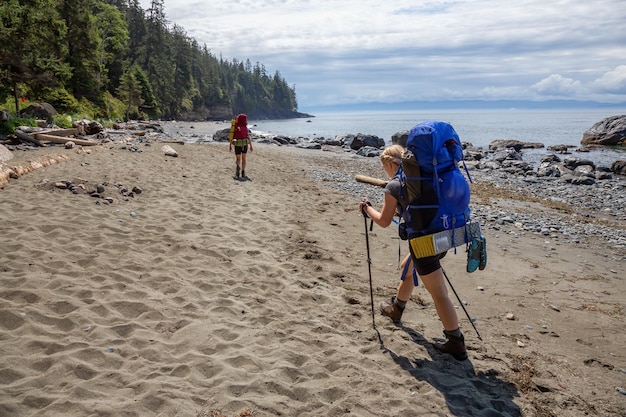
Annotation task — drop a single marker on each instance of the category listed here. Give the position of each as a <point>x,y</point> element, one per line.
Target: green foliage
<point>114,108</point>
<point>61,100</point>
<point>79,54</point>
<point>62,120</point>
<point>9,126</point>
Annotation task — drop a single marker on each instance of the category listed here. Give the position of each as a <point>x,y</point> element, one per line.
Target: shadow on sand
<point>466,392</point>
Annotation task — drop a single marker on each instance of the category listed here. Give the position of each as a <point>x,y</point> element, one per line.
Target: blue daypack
<point>436,190</point>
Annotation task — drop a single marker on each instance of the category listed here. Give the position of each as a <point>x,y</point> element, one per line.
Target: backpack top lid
<point>241,127</point>
<point>241,120</point>
<point>436,145</point>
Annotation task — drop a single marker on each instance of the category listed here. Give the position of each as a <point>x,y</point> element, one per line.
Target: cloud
<point>349,50</point>
<point>613,82</point>
<point>556,85</point>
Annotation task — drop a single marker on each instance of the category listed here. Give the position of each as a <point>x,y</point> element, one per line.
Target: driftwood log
<point>16,171</point>
<point>28,138</point>
<point>59,139</point>
<point>369,180</point>
<point>57,132</point>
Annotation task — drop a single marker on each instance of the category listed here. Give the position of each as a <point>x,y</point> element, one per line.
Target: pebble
<point>586,213</point>
<point>588,222</point>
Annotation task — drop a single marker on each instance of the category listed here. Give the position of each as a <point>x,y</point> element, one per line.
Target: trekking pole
<point>369,264</point>
<point>461,302</point>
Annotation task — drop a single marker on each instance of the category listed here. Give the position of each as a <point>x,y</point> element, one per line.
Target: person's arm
<point>384,217</point>
<point>249,143</point>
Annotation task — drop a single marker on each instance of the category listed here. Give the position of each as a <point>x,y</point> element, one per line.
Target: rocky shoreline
<point>563,200</point>
<point>549,208</point>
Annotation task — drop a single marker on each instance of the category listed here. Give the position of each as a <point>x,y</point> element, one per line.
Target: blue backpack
<point>438,194</point>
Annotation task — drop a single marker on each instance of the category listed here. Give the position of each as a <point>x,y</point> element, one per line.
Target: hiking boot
<point>237,172</point>
<point>390,309</point>
<point>455,346</point>
<point>243,174</point>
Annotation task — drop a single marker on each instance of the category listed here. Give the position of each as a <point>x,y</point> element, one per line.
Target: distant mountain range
<point>468,105</point>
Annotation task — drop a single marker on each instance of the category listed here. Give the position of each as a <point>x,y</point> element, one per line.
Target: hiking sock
<point>401,304</point>
<point>243,173</point>
<point>454,333</point>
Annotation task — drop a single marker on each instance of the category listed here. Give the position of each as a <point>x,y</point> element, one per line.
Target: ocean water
<point>479,127</point>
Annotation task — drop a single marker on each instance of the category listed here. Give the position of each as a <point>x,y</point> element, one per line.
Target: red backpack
<point>241,127</point>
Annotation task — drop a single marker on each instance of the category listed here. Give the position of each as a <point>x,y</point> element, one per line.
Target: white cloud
<point>613,82</point>
<point>348,50</point>
<point>556,85</point>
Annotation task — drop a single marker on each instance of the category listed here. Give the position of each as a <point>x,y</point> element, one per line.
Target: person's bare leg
<point>436,286</point>
<point>238,163</point>
<point>395,307</point>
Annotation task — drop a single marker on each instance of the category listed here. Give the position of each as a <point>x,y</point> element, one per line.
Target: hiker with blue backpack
<point>432,201</point>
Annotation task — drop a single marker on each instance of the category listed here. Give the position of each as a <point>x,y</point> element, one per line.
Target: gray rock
<point>39,111</point>
<point>362,140</point>
<point>5,153</point>
<point>400,138</point>
<point>619,167</point>
<point>515,144</point>
<point>610,131</point>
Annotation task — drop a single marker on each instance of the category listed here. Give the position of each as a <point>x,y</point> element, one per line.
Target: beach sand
<point>205,296</point>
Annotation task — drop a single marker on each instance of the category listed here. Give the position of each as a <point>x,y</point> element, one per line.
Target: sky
<point>348,51</point>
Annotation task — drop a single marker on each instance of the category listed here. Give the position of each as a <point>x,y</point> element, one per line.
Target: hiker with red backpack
<point>430,195</point>
<point>241,141</point>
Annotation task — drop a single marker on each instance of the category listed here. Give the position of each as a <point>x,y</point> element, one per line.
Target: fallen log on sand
<point>59,139</point>
<point>57,132</point>
<point>16,171</point>
<point>28,138</point>
<point>369,180</point>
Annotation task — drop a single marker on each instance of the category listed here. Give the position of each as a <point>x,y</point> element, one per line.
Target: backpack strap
<point>406,269</point>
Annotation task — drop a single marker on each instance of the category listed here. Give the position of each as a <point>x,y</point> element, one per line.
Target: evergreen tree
<point>82,43</point>
<point>60,50</point>
<point>33,55</point>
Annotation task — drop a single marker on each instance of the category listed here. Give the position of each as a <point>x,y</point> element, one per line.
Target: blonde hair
<point>392,154</point>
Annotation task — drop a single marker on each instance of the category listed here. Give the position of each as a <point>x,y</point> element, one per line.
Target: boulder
<point>515,144</point>
<point>362,140</point>
<point>221,135</point>
<point>5,153</point>
<point>400,138</point>
<point>559,148</point>
<point>39,111</point>
<point>88,127</point>
<point>507,153</point>
<point>619,167</point>
<point>610,131</point>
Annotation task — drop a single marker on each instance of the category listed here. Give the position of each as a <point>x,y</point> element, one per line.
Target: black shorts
<point>241,149</point>
<point>428,265</point>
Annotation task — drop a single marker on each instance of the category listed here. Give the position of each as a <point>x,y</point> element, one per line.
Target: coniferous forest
<point>112,59</point>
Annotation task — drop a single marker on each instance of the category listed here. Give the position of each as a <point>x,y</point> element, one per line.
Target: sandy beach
<point>179,291</point>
